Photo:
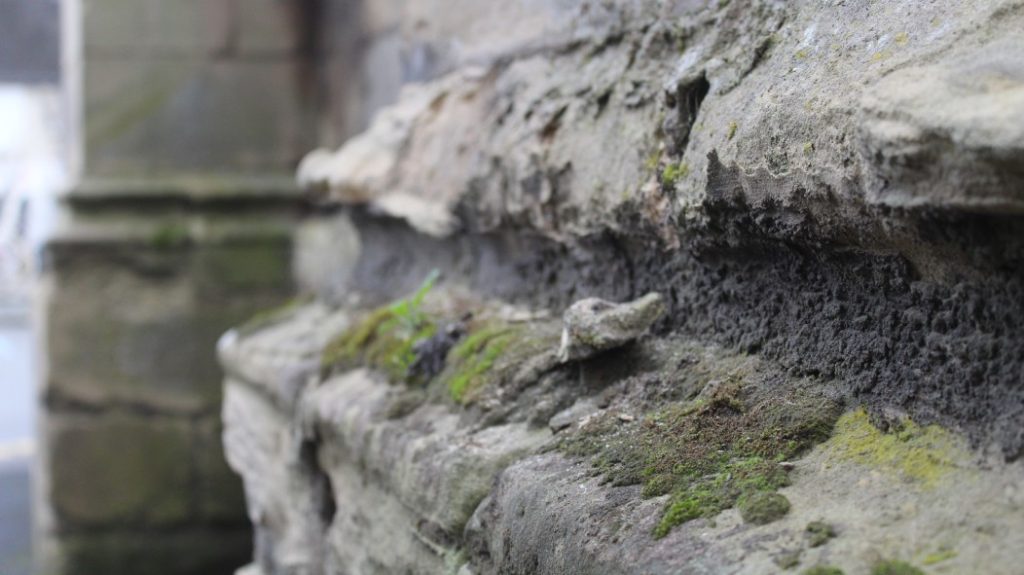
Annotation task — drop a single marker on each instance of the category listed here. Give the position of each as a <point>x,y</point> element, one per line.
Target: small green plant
<point>674,172</point>
<point>386,337</point>
<point>407,313</point>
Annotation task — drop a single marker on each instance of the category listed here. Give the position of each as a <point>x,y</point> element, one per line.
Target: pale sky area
<point>31,173</point>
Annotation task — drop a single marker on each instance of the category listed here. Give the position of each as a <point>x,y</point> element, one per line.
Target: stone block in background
<point>219,496</point>
<point>205,551</point>
<point>114,25</point>
<point>172,116</point>
<point>184,29</point>
<point>120,470</point>
<point>268,27</point>
<point>145,277</point>
<point>138,327</point>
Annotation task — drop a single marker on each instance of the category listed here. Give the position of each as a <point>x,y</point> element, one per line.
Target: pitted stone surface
<point>822,192</point>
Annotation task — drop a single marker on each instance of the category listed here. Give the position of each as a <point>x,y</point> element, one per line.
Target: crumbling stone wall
<point>826,198</point>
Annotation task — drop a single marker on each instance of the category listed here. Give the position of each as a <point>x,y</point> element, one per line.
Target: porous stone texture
<point>826,196</point>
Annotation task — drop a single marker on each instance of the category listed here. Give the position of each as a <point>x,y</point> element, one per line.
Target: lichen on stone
<point>818,533</point>
<point>923,455</point>
<point>471,360</point>
<point>712,453</point>
<point>763,507</point>
<point>673,173</point>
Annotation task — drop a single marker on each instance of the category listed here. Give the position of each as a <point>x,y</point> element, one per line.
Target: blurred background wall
<point>187,119</point>
<point>147,204</point>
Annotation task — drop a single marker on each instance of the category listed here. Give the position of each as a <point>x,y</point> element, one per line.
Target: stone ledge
<point>195,189</point>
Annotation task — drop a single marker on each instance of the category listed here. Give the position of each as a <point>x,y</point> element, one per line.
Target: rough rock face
<point>828,198</point>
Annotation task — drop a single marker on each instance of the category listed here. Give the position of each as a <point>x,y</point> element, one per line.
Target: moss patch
<point>384,338</point>
<point>763,507</point>
<point>673,173</point>
<point>473,359</point>
<point>712,453</point>
<point>893,567</point>
<point>818,533</point>
<point>924,455</point>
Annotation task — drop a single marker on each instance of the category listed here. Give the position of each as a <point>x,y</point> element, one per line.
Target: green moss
<point>893,567</point>
<point>801,54</point>
<point>169,236</point>
<point>474,358</point>
<point>822,570</point>
<point>731,131</point>
<point>652,161</point>
<point>763,507</point>
<point>924,455</point>
<point>711,454</point>
<point>385,337</point>
<point>819,532</point>
<point>939,556</point>
<point>674,172</point>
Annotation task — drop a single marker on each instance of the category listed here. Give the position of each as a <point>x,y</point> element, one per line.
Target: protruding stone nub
<point>594,325</point>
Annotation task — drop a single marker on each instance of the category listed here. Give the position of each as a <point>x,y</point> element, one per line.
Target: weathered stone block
<point>138,325</point>
<point>154,117</point>
<point>120,470</point>
<point>114,25</point>
<point>116,335</point>
<point>191,552</point>
<point>171,28</point>
<point>268,27</point>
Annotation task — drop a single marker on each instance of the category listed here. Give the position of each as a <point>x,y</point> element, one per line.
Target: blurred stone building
<point>187,119</point>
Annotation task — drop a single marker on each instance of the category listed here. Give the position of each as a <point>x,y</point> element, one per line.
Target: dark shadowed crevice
<point>684,104</point>
<point>944,351</point>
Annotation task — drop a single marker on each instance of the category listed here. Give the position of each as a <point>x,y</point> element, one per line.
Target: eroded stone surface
<point>824,195</point>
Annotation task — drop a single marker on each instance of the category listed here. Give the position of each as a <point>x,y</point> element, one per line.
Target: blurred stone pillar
<point>191,115</point>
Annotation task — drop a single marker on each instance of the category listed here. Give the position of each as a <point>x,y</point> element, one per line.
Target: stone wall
<point>182,222</point>
<point>826,200</point>
<point>135,481</point>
